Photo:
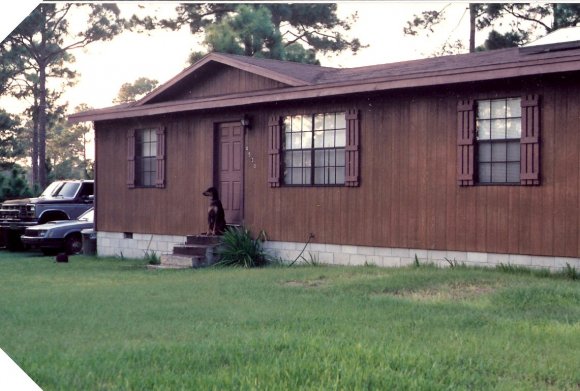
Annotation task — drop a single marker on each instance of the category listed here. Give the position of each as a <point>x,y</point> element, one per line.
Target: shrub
<point>238,248</point>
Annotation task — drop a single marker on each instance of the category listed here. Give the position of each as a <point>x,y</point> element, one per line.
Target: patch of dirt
<point>453,292</point>
<point>305,283</point>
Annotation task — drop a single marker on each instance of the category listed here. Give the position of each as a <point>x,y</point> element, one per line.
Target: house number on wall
<point>251,157</point>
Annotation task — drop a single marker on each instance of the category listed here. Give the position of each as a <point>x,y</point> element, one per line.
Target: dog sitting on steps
<point>216,219</point>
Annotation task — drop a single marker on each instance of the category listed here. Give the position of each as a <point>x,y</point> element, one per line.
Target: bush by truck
<point>61,200</point>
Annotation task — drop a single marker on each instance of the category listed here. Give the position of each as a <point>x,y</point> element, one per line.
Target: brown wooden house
<point>470,157</point>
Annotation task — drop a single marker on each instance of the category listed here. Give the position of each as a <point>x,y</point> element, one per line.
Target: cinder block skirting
<point>395,257</point>
<point>133,245</point>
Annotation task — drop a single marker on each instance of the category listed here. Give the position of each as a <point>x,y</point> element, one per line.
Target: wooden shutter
<point>530,141</point>
<point>352,170</point>
<point>466,142</point>
<point>274,146</point>
<point>160,178</point>
<point>131,158</point>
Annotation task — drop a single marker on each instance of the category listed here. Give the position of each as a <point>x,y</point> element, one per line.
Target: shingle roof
<point>308,81</point>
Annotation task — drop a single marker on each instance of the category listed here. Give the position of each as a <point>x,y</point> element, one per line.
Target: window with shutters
<point>498,141</point>
<point>498,134</point>
<point>146,158</point>
<point>313,148</point>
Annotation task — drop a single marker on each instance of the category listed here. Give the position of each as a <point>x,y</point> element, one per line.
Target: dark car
<point>61,235</point>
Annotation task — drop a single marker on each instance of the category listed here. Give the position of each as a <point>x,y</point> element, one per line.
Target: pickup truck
<point>61,200</point>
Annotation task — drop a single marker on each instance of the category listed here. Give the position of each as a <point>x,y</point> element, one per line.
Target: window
<point>498,134</point>
<point>146,158</point>
<point>314,149</point>
<point>498,141</point>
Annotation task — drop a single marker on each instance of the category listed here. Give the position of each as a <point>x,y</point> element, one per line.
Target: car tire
<point>73,244</point>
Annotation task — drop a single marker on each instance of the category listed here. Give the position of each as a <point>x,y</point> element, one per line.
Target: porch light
<point>245,121</point>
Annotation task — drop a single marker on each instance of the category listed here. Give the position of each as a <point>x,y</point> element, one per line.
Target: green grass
<point>109,324</point>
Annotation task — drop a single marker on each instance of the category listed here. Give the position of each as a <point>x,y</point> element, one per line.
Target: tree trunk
<point>557,17</point>
<point>42,62</point>
<point>472,18</point>
<point>42,126</point>
<point>35,184</point>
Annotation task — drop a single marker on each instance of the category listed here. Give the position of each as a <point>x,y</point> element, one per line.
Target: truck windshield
<point>52,189</point>
<point>68,190</point>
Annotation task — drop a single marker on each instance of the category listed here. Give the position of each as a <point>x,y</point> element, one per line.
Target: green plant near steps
<point>239,248</point>
<point>152,258</point>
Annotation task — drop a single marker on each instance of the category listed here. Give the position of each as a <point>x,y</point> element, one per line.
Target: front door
<point>230,171</point>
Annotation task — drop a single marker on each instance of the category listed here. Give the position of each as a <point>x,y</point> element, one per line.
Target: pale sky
<point>105,66</point>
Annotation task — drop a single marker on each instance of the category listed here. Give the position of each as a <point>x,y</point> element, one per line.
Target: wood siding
<point>408,195</point>
<point>219,80</point>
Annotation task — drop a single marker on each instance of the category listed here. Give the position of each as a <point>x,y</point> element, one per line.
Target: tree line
<point>37,60</point>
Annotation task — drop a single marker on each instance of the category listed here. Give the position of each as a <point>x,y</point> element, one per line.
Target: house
<point>473,158</point>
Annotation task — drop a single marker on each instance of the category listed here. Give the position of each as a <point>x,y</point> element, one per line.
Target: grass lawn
<point>110,324</point>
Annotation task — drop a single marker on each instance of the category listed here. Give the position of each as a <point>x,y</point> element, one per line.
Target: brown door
<point>231,170</point>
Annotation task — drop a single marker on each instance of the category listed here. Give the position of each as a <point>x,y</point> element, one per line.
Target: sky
<point>160,55</point>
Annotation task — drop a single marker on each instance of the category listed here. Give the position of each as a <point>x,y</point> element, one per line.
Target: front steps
<point>198,251</point>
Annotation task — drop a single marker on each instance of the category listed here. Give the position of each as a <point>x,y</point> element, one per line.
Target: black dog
<point>216,219</point>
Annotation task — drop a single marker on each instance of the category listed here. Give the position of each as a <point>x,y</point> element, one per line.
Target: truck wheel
<point>13,241</point>
<point>73,244</point>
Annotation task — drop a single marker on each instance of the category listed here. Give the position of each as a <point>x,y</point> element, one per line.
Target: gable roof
<point>309,81</point>
<point>291,74</point>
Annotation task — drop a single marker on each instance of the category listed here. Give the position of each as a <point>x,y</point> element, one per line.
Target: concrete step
<point>204,240</point>
<point>191,250</point>
<point>178,261</point>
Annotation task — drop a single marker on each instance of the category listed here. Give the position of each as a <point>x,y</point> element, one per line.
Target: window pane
<point>484,152</point>
<point>297,159</point>
<point>306,176</point>
<point>513,151</point>
<point>514,108</point>
<point>288,141</point>
<point>288,176</point>
<point>340,138</point>
<point>307,159</point>
<point>287,124</point>
<point>297,123</point>
<point>483,129</point>
<point>319,158</point>
<point>318,139</point>
<point>297,176</point>
<point>340,176</point>
<point>485,172</point>
<point>340,121</point>
<point>296,140</point>
<point>497,129</point>
<point>513,172</point>
<point>331,176</point>
<point>330,158</point>
<point>329,122</point>
<point>319,122</point>
<point>319,176</point>
<point>306,140</point>
<point>306,123</point>
<point>514,128</point>
<point>498,108</point>
<point>329,139</point>
<point>498,152</point>
<point>483,109</point>
<point>288,160</point>
<point>340,157</point>
<point>498,172</point>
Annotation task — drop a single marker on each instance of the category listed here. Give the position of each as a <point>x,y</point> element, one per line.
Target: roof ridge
<point>260,59</point>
